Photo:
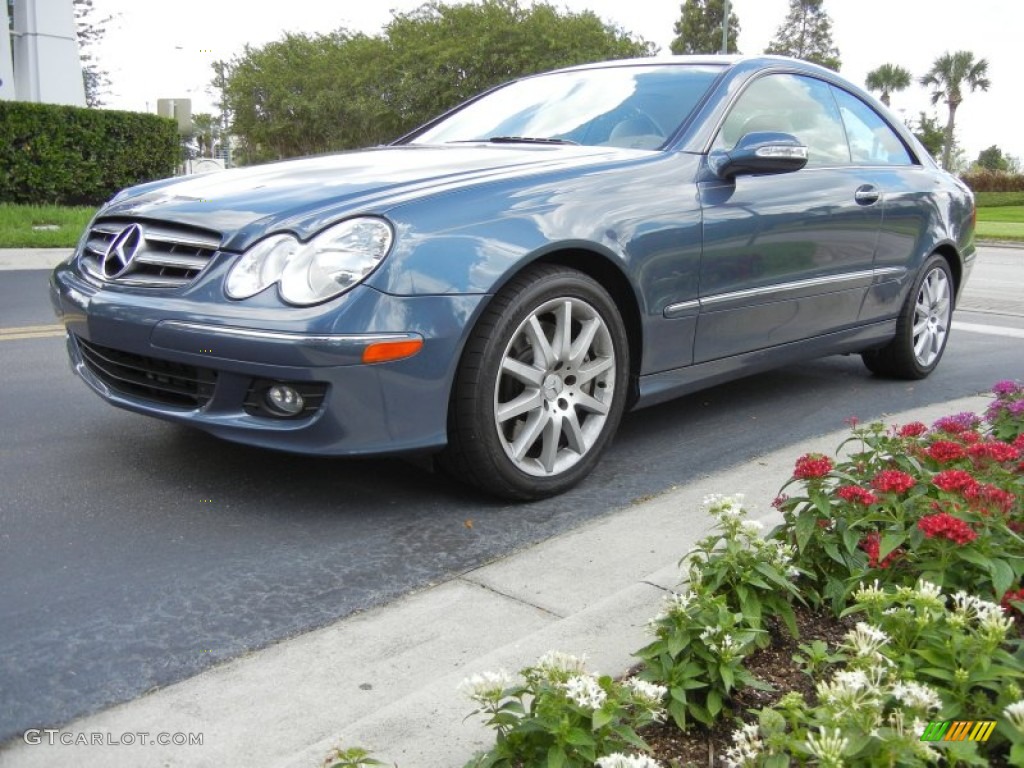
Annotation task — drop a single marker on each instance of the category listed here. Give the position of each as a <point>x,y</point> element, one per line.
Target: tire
<point>922,328</point>
<point>524,423</point>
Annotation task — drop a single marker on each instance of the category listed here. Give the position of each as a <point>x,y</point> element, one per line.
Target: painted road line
<point>991,330</point>
<point>31,332</point>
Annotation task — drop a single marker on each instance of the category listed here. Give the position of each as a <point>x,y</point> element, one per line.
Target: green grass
<point>1009,213</point>
<point>17,224</point>
<point>997,199</point>
<point>1004,222</point>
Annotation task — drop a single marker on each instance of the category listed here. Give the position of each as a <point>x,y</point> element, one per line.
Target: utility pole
<point>725,28</point>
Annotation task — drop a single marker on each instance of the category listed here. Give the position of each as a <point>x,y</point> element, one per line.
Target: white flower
<point>752,527</point>
<point>619,760</point>
<point>827,747</point>
<point>1015,714</point>
<point>585,691</point>
<point>871,593</point>
<point>929,592</point>
<point>865,640</point>
<point>557,666</point>
<point>917,695</point>
<point>649,692</point>
<point>486,686</point>
<point>746,746</point>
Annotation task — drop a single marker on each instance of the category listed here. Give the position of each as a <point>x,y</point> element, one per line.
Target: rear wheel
<point>922,328</point>
<point>541,386</point>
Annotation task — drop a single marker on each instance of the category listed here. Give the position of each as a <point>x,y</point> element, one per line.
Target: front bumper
<point>196,358</point>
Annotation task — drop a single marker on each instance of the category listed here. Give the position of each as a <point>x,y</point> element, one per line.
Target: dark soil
<point>773,665</point>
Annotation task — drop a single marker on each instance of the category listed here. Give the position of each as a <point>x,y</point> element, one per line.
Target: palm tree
<point>888,79</point>
<point>950,73</point>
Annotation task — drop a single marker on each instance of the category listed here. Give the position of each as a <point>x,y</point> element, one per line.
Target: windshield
<point>633,106</point>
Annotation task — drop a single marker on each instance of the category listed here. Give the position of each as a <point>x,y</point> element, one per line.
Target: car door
<point>907,188</point>
<point>787,256</point>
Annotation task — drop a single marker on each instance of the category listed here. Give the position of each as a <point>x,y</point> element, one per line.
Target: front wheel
<point>541,386</point>
<point>922,328</point>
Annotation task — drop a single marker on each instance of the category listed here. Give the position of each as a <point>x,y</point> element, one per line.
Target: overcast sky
<point>164,50</point>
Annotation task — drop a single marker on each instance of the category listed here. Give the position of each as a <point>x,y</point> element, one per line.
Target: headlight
<point>328,265</point>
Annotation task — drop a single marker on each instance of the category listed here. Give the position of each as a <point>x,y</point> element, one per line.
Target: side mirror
<point>761,152</point>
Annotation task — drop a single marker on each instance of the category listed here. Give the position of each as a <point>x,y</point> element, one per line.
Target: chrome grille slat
<point>168,256</point>
<point>173,260</point>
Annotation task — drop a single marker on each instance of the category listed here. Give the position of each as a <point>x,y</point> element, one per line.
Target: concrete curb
<point>386,679</point>
<point>32,258</point>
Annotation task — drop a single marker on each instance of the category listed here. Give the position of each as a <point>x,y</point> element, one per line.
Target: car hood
<point>303,196</point>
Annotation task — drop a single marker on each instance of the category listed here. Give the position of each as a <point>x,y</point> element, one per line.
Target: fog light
<point>283,399</point>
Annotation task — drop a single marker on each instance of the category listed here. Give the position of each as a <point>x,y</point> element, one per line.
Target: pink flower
<point>893,481</point>
<point>811,466</point>
<point>856,495</point>
<point>961,422</point>
<point>946,526</point>
<point>1006,387</point>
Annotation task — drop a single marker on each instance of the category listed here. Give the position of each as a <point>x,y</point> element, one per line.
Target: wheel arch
<point>611,277</point>
<point>956,266</point>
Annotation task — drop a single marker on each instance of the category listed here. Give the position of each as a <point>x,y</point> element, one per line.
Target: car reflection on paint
<point>499,286</point>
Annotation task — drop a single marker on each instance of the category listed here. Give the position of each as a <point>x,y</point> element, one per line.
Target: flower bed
<point>913,532</point>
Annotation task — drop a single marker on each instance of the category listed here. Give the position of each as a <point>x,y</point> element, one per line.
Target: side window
<point>801,106</point>
<point>872,140</point>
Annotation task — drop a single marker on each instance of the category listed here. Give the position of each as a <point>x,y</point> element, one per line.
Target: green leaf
<point>714,703</point>
<point>806,525</point>
<point>556,757</point>
<point>1002,575</point>
<point>727,679</point>
<point>601,718</point>
<point>580,738</point>
<point>889,542</point>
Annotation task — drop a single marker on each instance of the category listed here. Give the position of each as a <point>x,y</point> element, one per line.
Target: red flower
<point>856,495</point>
<point>986,498</point>
<point>946,526</point>
<point>1019,442</point>
<point>945,451</point>
<point>893,481</point>
<point>812,465</point>
<point>871,544</point>
<point>780,501</point>
<point>954,481</point>
<point>913,429</point>
<point>995,450</point>
<point>1011,596</point>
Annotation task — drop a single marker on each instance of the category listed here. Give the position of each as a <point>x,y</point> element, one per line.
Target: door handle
<point>867,194</point>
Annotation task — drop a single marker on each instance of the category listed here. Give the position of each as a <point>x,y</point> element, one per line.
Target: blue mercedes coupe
<point>500,285</point>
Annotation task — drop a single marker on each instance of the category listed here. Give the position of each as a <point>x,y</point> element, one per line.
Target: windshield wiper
<point>528,140</point>
<point>515,140</point>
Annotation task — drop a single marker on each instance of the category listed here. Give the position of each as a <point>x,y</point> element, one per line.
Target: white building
<point>39,59</point>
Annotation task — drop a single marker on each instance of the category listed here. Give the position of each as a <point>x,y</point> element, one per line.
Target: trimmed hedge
<point>994,181</point>
<point>52,154</point>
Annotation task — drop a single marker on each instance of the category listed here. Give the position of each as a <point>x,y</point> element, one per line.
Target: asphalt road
<point>134,553</point>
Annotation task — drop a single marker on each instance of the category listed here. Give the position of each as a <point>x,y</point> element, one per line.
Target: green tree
<point>949,76</point>
<point>699,28</point>
<point>993,159</point>
<point>306,94</point>
<point>930,134</point>
<point>443,54</point>
<point>888,79</point>
<point>90,32</point>
<point>807,34</point>
<point>206,132</point>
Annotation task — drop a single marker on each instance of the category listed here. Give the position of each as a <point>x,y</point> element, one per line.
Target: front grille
<point>149,378</point>
<point>168,255</point>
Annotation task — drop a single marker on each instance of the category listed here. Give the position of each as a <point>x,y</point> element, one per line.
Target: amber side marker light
<point>386,351</point>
